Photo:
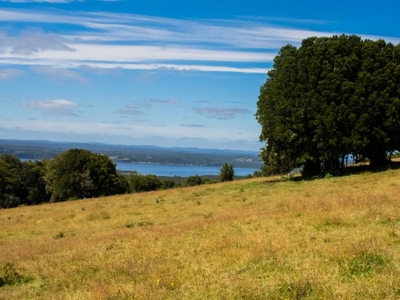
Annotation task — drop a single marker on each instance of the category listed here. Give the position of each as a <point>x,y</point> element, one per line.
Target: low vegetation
<point>263,238</point>
<point>79,174</point>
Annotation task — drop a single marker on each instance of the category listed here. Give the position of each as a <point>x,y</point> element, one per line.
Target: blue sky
<point>157,72</point>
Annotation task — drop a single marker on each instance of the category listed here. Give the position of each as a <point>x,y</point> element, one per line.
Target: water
<point>173,170</point>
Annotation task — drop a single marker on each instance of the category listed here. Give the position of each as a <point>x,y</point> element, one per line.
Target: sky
<point>157,72</point>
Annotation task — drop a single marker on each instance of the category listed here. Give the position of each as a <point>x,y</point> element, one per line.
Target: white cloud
<point>128,66</point>
<point>109,40</point>
<point>128,41</point>
<point>32,41</point>
<point>59,106</point>
<point>136,54</point>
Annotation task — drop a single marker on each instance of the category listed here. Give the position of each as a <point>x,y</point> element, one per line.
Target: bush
<point>144,183</point>
<point>194,180</point>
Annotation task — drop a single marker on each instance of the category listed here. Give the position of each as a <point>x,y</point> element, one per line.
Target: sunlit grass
<point>336,238</point>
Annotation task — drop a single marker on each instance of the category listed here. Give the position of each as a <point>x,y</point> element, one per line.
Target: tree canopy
<point>330,97</point>
<point>226,172</point>
<point>21,183</point>
<point>78,173</point>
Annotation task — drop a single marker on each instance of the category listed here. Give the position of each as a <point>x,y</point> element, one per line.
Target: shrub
<point>194,180</point>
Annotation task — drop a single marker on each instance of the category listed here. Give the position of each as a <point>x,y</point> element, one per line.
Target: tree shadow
<point>353,170</point>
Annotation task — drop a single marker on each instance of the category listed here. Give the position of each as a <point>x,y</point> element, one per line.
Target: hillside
<point>334,238</point>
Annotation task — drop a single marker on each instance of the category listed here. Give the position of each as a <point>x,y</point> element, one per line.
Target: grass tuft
<point>363,264</point>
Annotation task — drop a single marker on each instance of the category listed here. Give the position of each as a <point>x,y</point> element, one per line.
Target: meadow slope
<point>333,238</point>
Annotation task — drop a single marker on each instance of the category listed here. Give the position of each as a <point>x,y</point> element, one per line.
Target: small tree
<point>194,180</point>
<point>226,172</point>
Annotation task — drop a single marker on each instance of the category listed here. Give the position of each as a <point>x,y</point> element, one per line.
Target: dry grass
<point>336,238</point>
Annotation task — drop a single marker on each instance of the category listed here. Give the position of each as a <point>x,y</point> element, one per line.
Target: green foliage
<point>169,184</point>
<point>226,172</point>
<point>79,173</point>
<point>21,183</point>
<point>330,97</point>
<point>35,172</point>
<point>144,183</point>
<point>194,180</point>
<point>11,181</point>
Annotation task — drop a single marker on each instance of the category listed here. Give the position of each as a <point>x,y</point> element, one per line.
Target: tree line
<point>330,97</point>
<point>77,174</point>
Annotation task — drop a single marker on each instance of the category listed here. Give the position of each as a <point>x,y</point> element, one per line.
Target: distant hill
<point>42,149</point>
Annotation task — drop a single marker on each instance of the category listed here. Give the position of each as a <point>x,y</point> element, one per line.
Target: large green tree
<point>78,173</point>
<point>330,97</point>
<point>12,191</point>
<point>21,183</point>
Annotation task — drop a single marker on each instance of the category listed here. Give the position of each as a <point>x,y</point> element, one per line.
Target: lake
<point>174,170</point>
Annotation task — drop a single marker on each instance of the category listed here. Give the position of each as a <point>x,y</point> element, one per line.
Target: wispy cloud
<point>130,130</point>
<point>9,73</point>
<point>193,125</point>
<point>129,111</point>
<point>220,113</point>
<point>136,42</point>
<point>31,41</point>
<point>58,107</point>
<point>151,102</point>
<point>60,74</point>
<point>137,108</point>
<point>110,40</point>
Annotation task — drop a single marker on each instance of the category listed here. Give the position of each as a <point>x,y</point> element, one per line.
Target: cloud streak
<point>127,41</point>
<point>60,74</point>
<point>129,111</point>
<point>220,113</point>
<point>57,107</point>
<point>136,42</point>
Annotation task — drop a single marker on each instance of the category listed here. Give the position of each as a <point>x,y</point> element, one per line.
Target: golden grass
<point>336,238</point>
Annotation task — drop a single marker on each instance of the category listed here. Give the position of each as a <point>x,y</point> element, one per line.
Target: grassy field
<point>333,238</point>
